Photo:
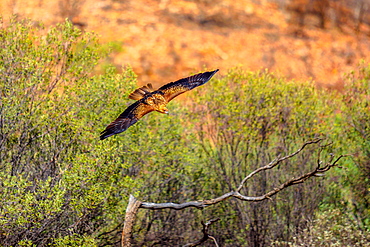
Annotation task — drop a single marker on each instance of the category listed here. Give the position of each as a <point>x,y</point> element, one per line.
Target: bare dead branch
<point>275,162</point>
<point>206,236</point>
<point>320,170</point>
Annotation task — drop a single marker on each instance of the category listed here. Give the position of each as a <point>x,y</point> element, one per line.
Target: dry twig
<point>206,236</point>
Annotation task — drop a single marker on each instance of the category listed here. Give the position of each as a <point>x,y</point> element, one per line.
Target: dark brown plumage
<point>153,100</point>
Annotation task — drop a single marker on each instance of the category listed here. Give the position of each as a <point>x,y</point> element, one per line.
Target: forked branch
<point>206,235</point>
<point>275,162</point>
<point>318,171</point>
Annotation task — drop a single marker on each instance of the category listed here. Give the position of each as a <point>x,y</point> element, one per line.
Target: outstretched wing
<point>130,116</point>
<point>172,89</point>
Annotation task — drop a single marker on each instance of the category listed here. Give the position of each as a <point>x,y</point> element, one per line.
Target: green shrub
<point>330,228</point>
<point>58,182</point>
<point>355,139</point>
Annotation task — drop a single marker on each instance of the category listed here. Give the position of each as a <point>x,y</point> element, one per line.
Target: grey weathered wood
<point>131,211</point>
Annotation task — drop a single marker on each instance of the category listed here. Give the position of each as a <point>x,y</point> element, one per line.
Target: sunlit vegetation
<point>62,186</point>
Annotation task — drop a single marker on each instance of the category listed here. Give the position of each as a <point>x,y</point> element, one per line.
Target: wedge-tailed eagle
<point>153,100</point>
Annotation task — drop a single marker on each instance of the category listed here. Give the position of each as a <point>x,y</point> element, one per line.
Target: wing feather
<point>130,116</point>
<point>173,89</point>
<point>141,92</point>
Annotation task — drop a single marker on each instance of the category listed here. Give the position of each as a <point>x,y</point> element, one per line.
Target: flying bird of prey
<point>148,100</point>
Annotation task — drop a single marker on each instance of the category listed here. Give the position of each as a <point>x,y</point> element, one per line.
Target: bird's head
<point>162,109</point>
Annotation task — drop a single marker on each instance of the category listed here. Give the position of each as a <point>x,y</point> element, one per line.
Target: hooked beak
<point>164,111</point>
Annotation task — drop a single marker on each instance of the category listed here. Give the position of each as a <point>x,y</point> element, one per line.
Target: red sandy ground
<point>164,40</point>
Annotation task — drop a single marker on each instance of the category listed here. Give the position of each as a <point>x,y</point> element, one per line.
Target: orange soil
<point>164,40</point>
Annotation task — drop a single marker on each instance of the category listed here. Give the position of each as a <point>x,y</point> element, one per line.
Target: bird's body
<point>153,100</point>
<point>157,101</point>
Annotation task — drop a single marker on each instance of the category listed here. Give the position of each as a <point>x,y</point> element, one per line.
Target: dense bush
<point>58,183</point>
<point>330,228</point>
<point>357,140</point>
<point>61,186</point>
